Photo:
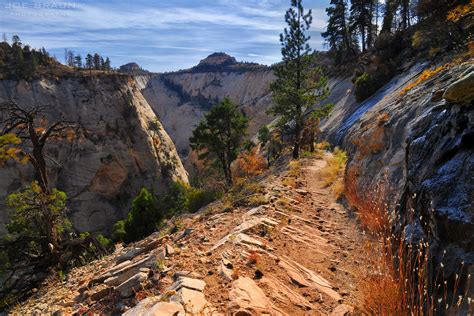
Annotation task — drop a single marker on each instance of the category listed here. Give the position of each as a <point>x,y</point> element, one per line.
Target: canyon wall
<point>120,146</point>
<point>182,98</point>
<point>412,153</point>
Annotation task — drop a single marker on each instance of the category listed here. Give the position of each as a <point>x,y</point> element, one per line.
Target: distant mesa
<point>222,62</point>
<point>218,59</point>
<point>133,69</point>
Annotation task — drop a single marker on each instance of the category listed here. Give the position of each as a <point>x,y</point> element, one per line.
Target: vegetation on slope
<point>409,29</point>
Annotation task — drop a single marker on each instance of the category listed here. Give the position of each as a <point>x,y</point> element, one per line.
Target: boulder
<point>132,285</point>
<point>169,250</point>
<point>143,307</point>
<point>193,284</point>
<point>342,310</point>
<point>245,294</point>
<point>166,309</point>
<point>194,302</point>
<point>126,272</point>
<point>461,91</point>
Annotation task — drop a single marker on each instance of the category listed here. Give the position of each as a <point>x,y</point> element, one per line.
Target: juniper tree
<point>299,84</point>
<point>31,125</point>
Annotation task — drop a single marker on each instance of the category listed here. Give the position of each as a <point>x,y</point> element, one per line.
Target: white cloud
<point>248,29</point>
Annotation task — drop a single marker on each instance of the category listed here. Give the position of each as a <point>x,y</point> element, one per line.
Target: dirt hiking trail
<point>300,253</point>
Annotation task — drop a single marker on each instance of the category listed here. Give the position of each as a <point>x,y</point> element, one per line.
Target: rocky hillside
<point>411,146</point>
<point>299,253</point>
<point>120,146</point>
<point>181,98</point>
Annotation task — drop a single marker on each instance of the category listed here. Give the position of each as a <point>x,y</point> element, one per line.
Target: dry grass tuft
<point>425,75</point>
<point>333,174</point>
<point>324,145</point>
<point>461,10</point>
<point>253,258</point>
<point>292,175</point>
<point>235,273</point>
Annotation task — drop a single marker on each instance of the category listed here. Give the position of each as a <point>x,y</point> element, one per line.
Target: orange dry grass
<point>459,11</point>
<point>425,75</point>
<point>371,210</point>
<point>253,258</point>
<point>333,173</point>
<point>400,282</point>
<point>381,293</point>
<point>249,164</point>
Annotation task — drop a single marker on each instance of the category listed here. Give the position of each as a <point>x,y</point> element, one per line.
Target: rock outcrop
<point>302,255</point>
<point>119,148</point>
<point>461,91</point>
<point>414,151</point>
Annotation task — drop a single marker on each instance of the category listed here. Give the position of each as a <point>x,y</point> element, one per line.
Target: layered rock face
<point>120,147</point>
<point>181,98</point>
<point>414,150</point>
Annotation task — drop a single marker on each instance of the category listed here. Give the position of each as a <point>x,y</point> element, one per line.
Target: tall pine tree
<point>298,85</point>
<point>89,63</point>
<point>360,21</point>
<point>341,41</point>
<point>96,61</point>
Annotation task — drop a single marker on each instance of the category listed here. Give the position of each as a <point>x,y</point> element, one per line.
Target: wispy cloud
<point>159,36</point>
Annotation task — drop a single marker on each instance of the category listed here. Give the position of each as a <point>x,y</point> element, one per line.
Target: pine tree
<point>389,15</point>
<point>360,21</point>
<point>298,84</point>
<point>340,40</point>
<point>70,58</point>
<point>78,61</point>
<point>96,61</point>
<point>89,63</point>
<point>16,40</point>
<point>107,64</point>
<point>219,136</point>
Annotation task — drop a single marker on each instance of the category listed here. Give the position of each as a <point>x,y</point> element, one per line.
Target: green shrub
<point>263,134</point>
<point>363,87</point>
<point>173,200</point>
<point>118,231</point>
<point>4,261</point>
<point>367,84</point>
<point>105,242</point>
<point>197,198</point>
<point>148,210</point>
<point>144,216</point>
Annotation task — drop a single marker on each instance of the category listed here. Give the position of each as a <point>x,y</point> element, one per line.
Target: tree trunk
<point>297,144</point>
<point>296,150</point>
<point>229,174</point>
<point>363,39</point>
<point>40,163</point>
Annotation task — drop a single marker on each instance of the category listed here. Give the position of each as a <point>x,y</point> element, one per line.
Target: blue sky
<point>158,35</point>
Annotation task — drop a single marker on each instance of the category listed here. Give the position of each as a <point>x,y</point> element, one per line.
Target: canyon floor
<point>301,253</point>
